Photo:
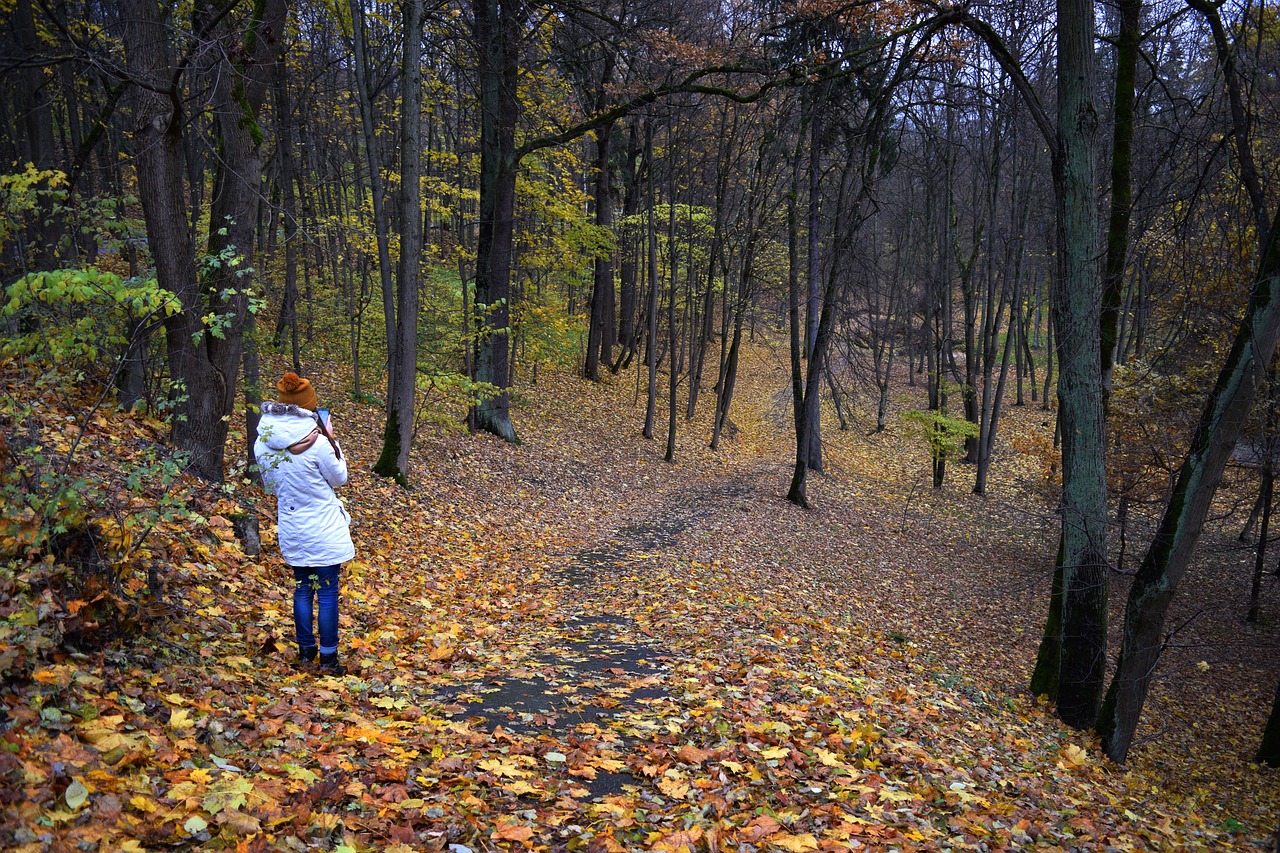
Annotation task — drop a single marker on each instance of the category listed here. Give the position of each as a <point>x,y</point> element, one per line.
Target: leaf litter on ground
<point>572,645</point>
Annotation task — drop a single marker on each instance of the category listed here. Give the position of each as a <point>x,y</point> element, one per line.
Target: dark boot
<point>329,665</point>
<point>306,657</point>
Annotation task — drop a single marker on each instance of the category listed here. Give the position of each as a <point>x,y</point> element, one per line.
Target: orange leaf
<point>762,827</point>
<point>512,832</point>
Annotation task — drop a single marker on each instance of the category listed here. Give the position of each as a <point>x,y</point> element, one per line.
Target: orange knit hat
<point>298,391</point>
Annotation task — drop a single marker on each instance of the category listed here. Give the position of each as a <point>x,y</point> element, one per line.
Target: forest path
<point>603,671</point>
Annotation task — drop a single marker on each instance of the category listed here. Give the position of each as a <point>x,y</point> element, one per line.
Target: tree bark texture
<point>242,74</point>
<point>402,376</point>
<point>1128,43</point>
<point>1077,308</point>
<point>161,166</point>
<point>497,28</point>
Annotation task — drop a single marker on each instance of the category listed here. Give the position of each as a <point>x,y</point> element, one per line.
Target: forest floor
<point>574,645</point>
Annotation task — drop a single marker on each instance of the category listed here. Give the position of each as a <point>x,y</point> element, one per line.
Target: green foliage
<point>226,264</point>
<point>545,331</point>
<point>77,320</point>
<point>23,194</point>
<point>944,435</point>
<point>44,500</point>
<point>443,395</point>
<point>562,239</point>
<point>77,497</point>
<point>39,215</point>
<point>694,229</point>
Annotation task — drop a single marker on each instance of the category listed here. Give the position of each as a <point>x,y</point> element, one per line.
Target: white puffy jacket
<point>313,525</point>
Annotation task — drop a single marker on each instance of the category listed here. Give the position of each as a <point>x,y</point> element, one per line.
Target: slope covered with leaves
<point>572,645</point>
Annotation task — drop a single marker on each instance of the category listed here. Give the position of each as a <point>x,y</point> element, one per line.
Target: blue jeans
<point>322,583</point>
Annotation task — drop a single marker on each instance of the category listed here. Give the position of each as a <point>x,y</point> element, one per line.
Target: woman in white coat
<point>302,464</point>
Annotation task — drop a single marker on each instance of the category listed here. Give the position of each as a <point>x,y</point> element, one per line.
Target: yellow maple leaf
<point>520,787</point>
<point>501,768</point>
<point>1075,755</point>
<point>180,720</point>
<point>674,788</point>
<point>795,843</point>
<point>828,758</point>
<point>142,804</point>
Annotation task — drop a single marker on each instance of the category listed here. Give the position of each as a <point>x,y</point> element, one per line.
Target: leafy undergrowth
<point>574,645</point>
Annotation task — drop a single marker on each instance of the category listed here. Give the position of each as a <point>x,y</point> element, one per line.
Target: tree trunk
<point>35,107</point>
<point>673,357</point>
<point>992,403</point>
<point>287,322</point>
<point>1269,749</point>
<point>1260,556</point>
<point>402,375</point>
<point>651,272</point>
<point>241,90</point>
<point>202,366</point>
<point>813,428</point>
<point>1171,549</point>
<point>797,492</point>
<point>602,283</point>
<point>497,26</point>
<point>1077,308</point>
<point>381,225</point>
<point>627,264</point>
<point>1220,424</point>
<point>1128,43</point>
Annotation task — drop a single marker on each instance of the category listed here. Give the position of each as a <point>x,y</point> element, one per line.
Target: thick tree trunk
<point>498,26</point>
<point>1045,676</point>
<point>35,107</point>
<point>203,378</point>
<point>397,436</point>
<point>1171,549</point>
<point>1077,308</point>
<point>242,81</point>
